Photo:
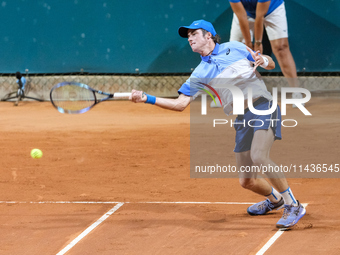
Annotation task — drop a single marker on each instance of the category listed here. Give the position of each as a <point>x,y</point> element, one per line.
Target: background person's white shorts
<point>275,24</point>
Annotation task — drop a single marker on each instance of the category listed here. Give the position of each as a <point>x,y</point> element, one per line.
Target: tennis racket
<point>75,97</point>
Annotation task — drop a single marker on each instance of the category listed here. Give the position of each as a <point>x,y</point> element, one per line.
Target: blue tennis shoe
<point>265,206</point>
<point>291,215</point>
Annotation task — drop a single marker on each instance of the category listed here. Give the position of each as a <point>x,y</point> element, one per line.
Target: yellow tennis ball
<point>36,153</point>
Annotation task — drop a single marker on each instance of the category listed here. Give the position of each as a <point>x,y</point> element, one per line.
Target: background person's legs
<point>280,48</point>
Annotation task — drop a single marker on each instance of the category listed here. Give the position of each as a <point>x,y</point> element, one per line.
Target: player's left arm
<point>178,104</point>
<point>23,79</point>
<point>261,11</point>
<point>262,60</point>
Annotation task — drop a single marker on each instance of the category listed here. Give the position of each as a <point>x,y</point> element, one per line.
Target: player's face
<point>196,40</point>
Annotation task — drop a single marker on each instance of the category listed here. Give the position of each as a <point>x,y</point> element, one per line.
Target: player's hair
<point>216,38</point>
<point>18,75</point>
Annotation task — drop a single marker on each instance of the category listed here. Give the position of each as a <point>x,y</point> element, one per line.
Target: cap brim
<point>183,32</point>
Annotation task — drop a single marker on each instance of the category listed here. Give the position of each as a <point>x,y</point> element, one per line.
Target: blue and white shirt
<point>23,80</point>
<point>230,63</point>
<point>250,6</point>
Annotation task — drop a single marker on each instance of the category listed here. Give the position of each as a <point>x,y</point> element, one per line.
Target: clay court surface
<point>128,157</point>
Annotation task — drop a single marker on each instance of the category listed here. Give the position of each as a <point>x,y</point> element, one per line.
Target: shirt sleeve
<point>250,57</point>
<point>194,84</point>
<point>185,88</point>
<point>235,1</point>
<point>191,86</point>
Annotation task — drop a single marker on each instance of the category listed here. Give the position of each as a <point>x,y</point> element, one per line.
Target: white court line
<point>112,202</point>
<point>216,203</point>
<point>272,240</point>
<point>89,229</point>
<point>119,204</point>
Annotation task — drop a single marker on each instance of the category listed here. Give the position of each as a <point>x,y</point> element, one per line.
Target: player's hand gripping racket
<point>74,97</point>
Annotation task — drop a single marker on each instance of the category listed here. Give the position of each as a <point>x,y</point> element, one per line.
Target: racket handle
<point>121,95</point>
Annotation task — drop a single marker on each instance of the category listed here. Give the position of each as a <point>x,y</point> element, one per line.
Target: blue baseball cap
<point>183,31</point>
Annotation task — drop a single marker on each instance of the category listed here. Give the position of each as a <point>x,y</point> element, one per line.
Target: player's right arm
<point>178,104</point>
<point>241,14</point>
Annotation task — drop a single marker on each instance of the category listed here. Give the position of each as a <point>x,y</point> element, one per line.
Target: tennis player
<point>235,62</point>
<point>21,81</point>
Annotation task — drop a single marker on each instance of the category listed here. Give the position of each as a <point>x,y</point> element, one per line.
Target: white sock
<point>288,197</point>
<point>275,196</point>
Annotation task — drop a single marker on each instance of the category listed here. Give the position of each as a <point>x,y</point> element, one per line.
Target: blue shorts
<point>246,125</point>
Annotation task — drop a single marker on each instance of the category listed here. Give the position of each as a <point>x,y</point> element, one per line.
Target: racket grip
<point>121,95</point>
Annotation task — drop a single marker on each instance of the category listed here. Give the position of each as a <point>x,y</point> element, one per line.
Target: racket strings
<point>73,98</point>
